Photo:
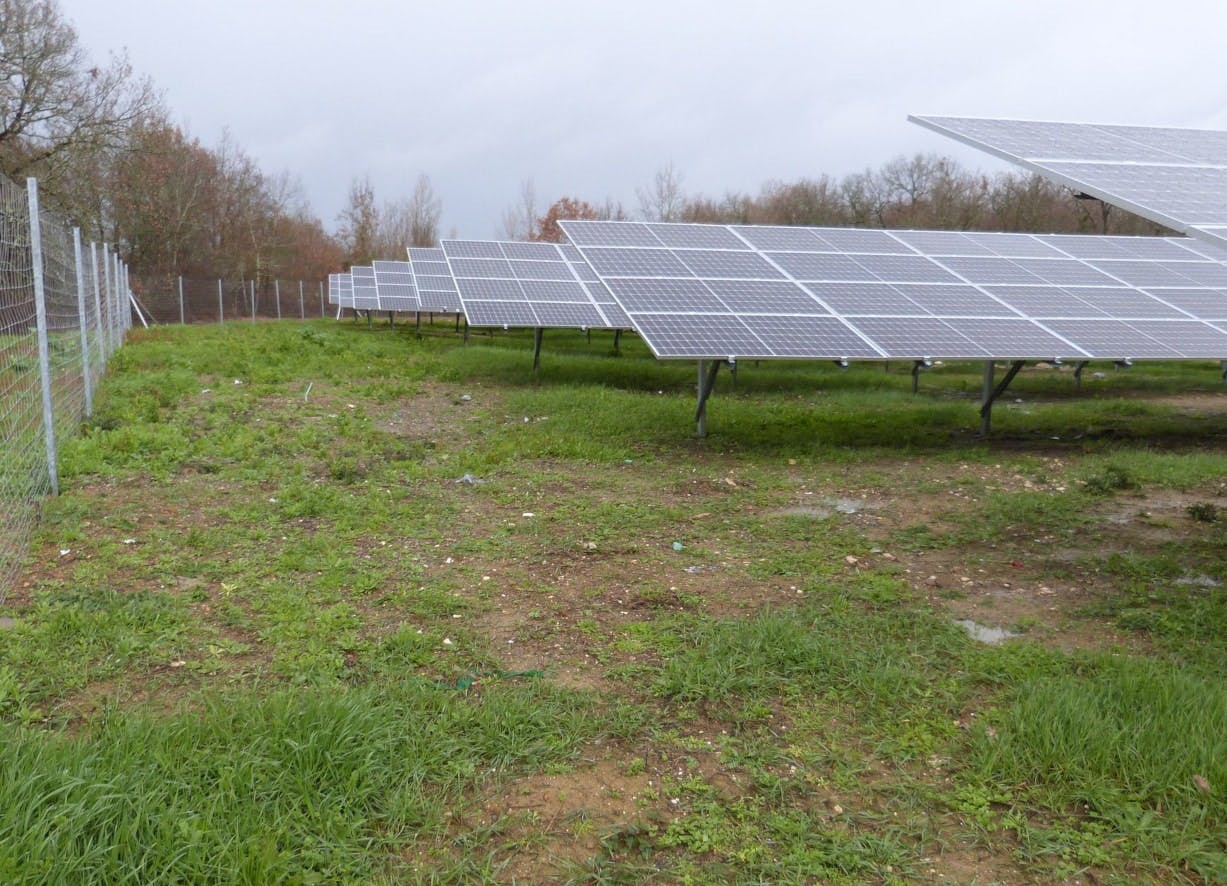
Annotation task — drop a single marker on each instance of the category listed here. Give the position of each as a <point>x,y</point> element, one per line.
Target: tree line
<point>107,154</point>
<point>923,191</point>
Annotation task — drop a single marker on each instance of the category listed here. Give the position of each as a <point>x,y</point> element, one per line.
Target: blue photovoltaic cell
<point>667,296</point>
<point>779,239</point>
<point>859,240</point>
<point>803,336</point>
<point>918,338</point>
<point>758,296</point>
<point>733,265</point>
<point>858,298</point>
<point>905,269</point>
<point>635,263</point>
<point>945,300</point>
<point>695,236</point>
<point>1111,339</point>
<point>819,266</point>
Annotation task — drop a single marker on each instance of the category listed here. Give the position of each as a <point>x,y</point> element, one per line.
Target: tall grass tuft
<point>296,787</point>
<point>1132,743</point>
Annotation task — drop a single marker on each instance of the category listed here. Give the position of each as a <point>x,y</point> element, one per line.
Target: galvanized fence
<point>195,300</point>
<point>64,309</point>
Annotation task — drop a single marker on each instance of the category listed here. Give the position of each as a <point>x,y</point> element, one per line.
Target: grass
<point>267,634</point>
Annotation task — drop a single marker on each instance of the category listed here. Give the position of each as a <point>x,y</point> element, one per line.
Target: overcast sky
<point>590,99</point>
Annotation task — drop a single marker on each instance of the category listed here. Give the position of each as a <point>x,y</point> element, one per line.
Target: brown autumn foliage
<point>547,229</point>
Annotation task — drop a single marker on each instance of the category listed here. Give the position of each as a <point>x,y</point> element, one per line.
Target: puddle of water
<point>1199,581</point>
<point>828,507</point>
<point>984,633</point>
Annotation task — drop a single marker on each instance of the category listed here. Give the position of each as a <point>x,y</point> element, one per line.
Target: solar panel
<point>1176,177</point>
<point>334,288</point>
<point>513,284</point>
<point>365,293</point>
<point>906,294</point>
<point>345,290</point>
<point>395,286</point>
<point>432,278</point>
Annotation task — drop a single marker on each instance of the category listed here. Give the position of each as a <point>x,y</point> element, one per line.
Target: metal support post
<point>538,332</point>
<point>221,308</point>
<point>302,305</point>
<point>417,327</point>
<point>253,301</point>
<point>617,340</point>
<point>181,319</point>
<point>322,314</point>
<point>83,317</point>
<point>1081,365</point>
<point>707,381</point>
<point>991,393</point>
<point>277,296</point>
<point>457,322</point>
<point>40,314</point>
<point>918,365</point>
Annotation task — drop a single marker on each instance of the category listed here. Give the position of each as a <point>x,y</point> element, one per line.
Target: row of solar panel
<point>708,291</point>
<point>847,293</point>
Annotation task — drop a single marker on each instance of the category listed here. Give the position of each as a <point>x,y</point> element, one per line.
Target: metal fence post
<point>98,333</point>
<point>40,313</point>
<point>181,319</point>
<point>109,336</point>
<point>277,296</point>
<point>84,318</point>
<point>322,314</point>
<point>221,310</point>
<point>302,305</point>
<point>253,301</point>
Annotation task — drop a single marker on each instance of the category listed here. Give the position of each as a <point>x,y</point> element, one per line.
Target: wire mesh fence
<point>170,299</point>
<point>63,312</point>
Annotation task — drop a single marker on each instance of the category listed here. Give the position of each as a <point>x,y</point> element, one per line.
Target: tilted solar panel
<point>432,279</point>
<point>1176,177</point>
<point>718,292</point>
<point>395,287</point>
<point>510,283</point>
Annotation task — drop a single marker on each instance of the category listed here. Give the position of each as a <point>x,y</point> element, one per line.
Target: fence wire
<point>85,320</point>
<point>171,299</point>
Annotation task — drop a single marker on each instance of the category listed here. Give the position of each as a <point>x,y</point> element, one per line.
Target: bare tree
<point>520,219</point>
<point>665,199</point>
<point>360,223</point>
<point>424,211</point>
<point>54,102</point>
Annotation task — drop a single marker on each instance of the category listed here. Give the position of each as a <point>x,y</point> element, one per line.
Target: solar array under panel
<point>714,291</point>
<point>432,278</point>
<point>1176,177</point>
<point>365,293</point>
<point>515,283</point>
<point>395,287</point>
